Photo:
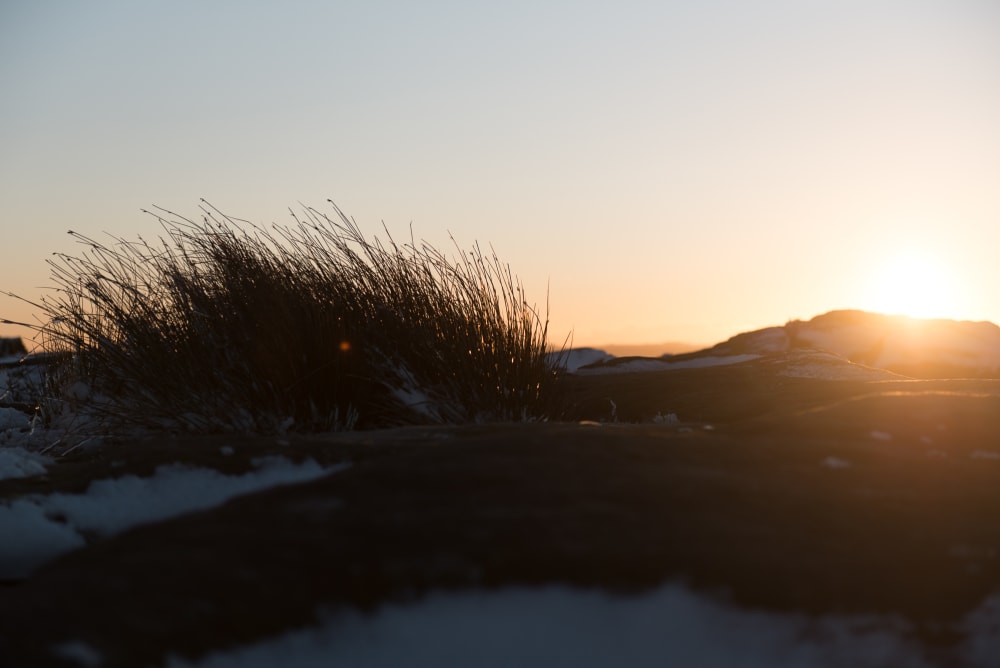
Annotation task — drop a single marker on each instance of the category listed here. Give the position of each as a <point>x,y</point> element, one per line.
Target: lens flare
<point>913,283</point>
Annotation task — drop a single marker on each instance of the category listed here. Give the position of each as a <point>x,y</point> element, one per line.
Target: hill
<point>913,347</point>
<point>909,346</point>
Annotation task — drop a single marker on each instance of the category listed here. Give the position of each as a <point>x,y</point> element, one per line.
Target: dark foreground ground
<point>775,493</point>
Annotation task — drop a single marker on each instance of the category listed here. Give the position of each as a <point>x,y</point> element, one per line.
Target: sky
<point>658,171</point>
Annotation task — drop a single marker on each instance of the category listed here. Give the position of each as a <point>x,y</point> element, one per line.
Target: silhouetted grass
<point>223,325</point>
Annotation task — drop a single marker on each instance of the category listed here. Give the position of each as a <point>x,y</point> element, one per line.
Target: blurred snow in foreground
<point>38,528</point>
<point>20,463</point>
<point>559,626</point>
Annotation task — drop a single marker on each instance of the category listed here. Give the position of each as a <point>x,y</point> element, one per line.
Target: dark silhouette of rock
<point>10,346</point>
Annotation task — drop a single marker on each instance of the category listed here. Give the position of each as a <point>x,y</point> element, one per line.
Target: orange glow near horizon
<point>669,173</point>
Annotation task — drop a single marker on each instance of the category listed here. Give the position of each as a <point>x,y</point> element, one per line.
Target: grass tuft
<point>221,325</point>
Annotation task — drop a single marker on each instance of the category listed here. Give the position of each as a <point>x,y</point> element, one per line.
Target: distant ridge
<point>885,345</point>
<point>919,348</point>
<point>649,349</point>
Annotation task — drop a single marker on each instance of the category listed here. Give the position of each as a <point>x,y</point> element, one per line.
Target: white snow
<point>574,358</point>
<point>710,360</point>
<point>11,418</point>
<point>28,538</point>
<point>769,340</point>
<point>820,365</point>
<point>558,626</point>
<point>983,629</point>
<point>80,653</point>
<point>20,463</point>
<point>38,528</point>
<point>664,364</point>
<point>111,506</point>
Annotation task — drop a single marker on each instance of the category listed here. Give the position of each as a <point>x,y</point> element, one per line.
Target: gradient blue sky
<point>672,170</point>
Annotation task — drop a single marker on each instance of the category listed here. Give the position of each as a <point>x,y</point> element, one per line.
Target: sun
<point>915,284</point>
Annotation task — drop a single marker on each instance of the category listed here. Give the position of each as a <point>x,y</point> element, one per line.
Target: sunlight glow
<point>913,283</point>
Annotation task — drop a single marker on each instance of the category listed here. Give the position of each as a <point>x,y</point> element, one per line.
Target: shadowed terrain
<point>768,491</point>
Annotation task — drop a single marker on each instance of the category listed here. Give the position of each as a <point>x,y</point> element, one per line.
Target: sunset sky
<point>669,171</point>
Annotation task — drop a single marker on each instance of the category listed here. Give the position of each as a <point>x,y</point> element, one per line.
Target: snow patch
<point>983,629</point>
<point>111,506</point>
<point>649,364</point>
<point>558,626</point>
<point>19,463</point>
<point>79,653</point>
<point>820,365</point>
<point>28,538</point>
<point>36,529</point>
<point>574,358</point>
<point>11,418</point>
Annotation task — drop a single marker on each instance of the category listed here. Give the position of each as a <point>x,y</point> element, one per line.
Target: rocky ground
<point>763,488</point>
